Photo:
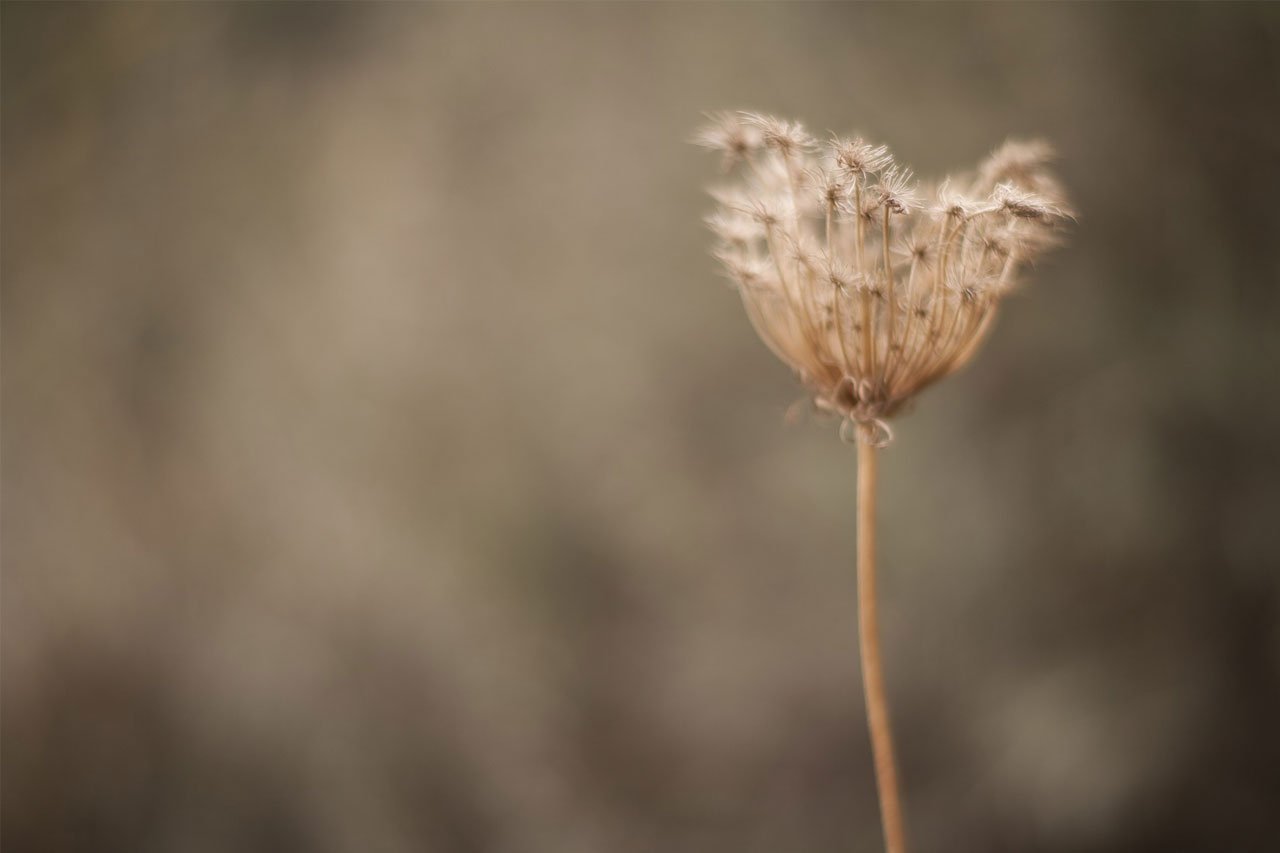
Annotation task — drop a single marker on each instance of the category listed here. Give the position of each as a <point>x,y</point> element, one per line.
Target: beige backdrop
<point>386,467</point>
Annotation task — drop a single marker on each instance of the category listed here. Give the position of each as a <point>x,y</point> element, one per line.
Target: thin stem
<point>868,327</point>
<point>889,295</point>
<point>869,644</point>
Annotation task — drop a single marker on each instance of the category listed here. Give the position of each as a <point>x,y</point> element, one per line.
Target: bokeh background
<point>386,467</point>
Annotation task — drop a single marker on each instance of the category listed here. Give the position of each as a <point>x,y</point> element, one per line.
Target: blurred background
<point>386,466</point>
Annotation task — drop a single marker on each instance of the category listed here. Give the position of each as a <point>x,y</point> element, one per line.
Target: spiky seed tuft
<point>727,133</point>
<point>785,137</point>
<point>857,159</point>
<point>896,190</point>
<point>870,292</point>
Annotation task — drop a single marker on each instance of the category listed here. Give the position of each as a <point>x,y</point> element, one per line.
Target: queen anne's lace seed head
<point>867,290</point>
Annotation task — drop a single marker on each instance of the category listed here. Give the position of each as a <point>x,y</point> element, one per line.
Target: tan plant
<point>872,288</point>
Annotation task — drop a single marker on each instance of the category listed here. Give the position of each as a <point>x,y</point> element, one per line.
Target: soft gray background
<point>386,468</point>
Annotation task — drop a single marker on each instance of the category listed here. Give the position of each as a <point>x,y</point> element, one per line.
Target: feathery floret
<point>785,137</point>
<point>895,190</point>
<point>955,204</point>
<point>856,158</point>
<point>727,133</point>
<point>734,228</point>
<point>1025,205</point>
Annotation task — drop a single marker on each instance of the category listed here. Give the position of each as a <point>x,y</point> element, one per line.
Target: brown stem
<point>869,643</point>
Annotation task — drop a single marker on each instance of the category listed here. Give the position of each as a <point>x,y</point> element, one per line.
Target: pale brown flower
<point>870,292</point>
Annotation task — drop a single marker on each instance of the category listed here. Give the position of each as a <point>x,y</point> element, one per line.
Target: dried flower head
<point>869,293</point>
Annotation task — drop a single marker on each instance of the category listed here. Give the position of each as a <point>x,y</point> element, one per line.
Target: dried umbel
<point>869,286</point>
<point>872,289</point>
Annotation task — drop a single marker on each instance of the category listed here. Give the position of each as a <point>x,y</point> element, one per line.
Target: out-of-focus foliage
<point>386,468</point>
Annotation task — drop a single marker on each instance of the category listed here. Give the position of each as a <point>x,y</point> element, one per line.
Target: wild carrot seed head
<point>869,287</point>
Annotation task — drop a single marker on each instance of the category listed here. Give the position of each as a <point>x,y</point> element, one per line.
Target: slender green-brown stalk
<point>869,644</point>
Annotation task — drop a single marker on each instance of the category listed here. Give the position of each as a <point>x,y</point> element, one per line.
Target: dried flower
<point>867,293</point>
<point>871,296</point>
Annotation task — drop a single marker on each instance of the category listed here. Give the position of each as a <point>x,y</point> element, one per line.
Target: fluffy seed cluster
<point>870,286</point>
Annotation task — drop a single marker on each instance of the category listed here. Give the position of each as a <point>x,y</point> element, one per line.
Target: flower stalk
<point>873,689</point>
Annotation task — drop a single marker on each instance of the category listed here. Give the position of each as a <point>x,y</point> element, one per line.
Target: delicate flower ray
<point>868,287</point>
